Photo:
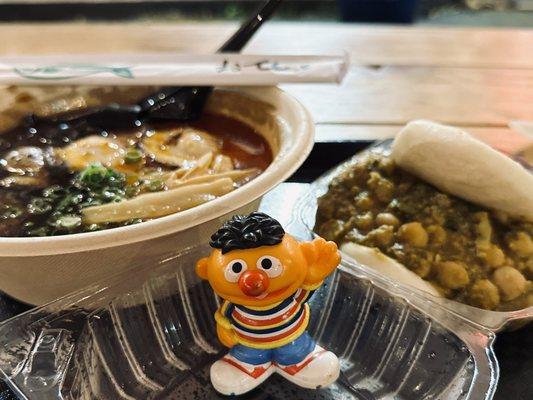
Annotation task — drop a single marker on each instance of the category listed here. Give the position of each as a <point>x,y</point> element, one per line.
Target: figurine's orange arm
<point>322,259</point>
<point>226,337</point>
<point>224,332</point>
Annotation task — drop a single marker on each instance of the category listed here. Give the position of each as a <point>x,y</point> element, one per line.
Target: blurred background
<point>504,13</point>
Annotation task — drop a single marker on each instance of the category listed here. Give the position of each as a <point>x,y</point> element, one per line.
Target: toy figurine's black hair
<point>246,232</point>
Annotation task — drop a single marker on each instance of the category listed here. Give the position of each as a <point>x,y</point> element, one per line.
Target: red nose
<point>253,283</point>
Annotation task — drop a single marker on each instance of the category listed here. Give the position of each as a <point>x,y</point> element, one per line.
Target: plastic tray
<point>306,211</point>
<point>151,335</point>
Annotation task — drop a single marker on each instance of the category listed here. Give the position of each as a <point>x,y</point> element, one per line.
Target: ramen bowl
<point>37,270</point>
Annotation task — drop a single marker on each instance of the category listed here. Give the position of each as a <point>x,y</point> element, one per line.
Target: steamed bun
<point>454,162</point>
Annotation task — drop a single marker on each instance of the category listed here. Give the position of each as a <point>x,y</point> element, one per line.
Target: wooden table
<point>479,79</point>
<point>476,78</point>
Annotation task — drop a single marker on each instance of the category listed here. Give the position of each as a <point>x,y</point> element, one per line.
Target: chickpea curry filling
<point>469,254</point>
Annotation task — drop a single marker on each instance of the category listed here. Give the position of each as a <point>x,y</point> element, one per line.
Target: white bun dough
<point>387,266</point>
<point>454,162</point>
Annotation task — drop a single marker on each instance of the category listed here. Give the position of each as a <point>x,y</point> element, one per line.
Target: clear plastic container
<point>306,211</point>
<point>151,335</point>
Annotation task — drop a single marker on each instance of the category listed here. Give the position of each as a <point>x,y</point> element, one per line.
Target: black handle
<point>187,103</point>
<point>239,39</point>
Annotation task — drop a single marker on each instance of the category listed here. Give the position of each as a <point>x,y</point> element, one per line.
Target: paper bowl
<point>38,270</point>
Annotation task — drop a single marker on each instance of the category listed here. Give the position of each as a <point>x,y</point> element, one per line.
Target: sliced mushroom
<point>180,147</point>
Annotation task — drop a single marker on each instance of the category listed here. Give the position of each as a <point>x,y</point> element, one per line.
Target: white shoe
<point>319,369</point>
<point>230,376</point>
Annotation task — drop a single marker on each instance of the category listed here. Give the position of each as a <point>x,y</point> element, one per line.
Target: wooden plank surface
<point>367,45</point>
<point>395,95</point>
<point>503,139</point>
<point>479,78</point>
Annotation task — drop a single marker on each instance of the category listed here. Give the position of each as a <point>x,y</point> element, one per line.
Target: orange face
<point>256,277</point>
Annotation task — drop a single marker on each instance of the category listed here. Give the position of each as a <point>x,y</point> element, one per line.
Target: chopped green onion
<point>95,185</point>
<point>53,192</point>
<point>133,221</point>
<point>109,194</point>
<point>93,175</point>
<point>133,156</point>
<point>132,191</point>
<point>9,211</point>
<point>42,231</point>
<point>68,222</point>
<point>39,205</point>
<point>93,228</point>
<point>155,185</point>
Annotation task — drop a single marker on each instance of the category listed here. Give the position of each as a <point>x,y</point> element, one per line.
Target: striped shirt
<point>267,327</point>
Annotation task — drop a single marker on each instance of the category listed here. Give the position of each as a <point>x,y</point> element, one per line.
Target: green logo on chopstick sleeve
<point>60,72</point>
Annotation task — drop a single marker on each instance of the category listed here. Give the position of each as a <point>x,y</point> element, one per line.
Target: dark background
<point>518,13</point>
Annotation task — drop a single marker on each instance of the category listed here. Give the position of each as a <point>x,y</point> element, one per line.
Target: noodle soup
<point>55,183</point>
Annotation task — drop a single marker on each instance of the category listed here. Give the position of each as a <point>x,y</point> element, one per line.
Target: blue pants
<point>290,354</point>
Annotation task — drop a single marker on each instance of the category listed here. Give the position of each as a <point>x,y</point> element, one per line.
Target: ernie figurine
<point>265,278</point>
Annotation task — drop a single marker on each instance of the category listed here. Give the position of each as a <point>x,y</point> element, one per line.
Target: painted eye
<point>271,265</point>
<point>234,269</point>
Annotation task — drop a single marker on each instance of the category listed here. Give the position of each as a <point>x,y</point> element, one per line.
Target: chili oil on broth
<point>55,182</point>
<point>470,254</point>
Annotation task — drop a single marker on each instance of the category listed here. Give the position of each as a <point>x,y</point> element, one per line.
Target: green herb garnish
<point>155,185</point>
<point>61,207</point>
<point>68,222</point>
<point>133,156</point>
<point>8,211</point>
<point>40,205</point>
